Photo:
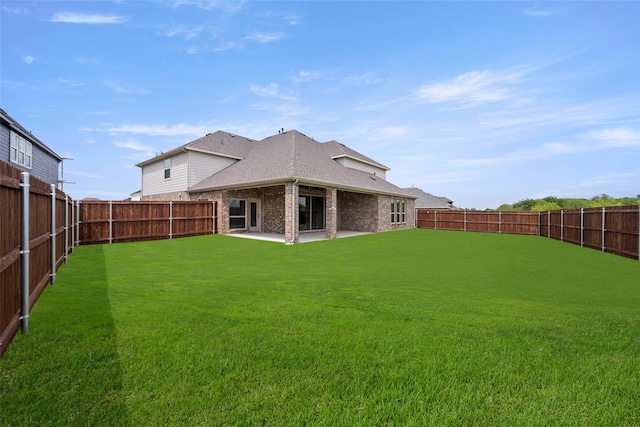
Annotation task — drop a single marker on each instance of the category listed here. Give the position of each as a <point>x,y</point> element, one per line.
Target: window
<point>398,211</point>
<point>310,213</point>
<point>21,150</point>
<point>167,169</point>
<point>237,214</point>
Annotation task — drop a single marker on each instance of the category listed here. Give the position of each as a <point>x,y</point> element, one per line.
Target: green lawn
<point>417,327</point>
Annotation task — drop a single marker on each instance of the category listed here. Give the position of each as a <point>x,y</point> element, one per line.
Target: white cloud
<point>265,37</point>
<point>306,76</point>
<point>470,88</point>
<point>28,59</point>
<point>187,33</point>
<point>270,90</point>
<point>82,18</point>
<point>617,137</point>
<point>125,90</point>
<point>16,10</point>
<point>142,151</point>
<point>180,129</point>
<point>536,11</point>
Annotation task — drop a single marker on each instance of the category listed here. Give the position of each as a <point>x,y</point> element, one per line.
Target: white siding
<point>202,165</point>
<point>348,162</point>
<point>153,181</point>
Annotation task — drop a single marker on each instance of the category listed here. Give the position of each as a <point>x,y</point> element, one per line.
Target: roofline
<point>378,165</point>
<point>280,181</point>
<point>162,156</point>
<point>184,149</point>
<point>215,153</point>
<point>18,128</point>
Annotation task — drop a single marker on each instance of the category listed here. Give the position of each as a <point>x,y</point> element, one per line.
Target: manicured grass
<point>418,327</point>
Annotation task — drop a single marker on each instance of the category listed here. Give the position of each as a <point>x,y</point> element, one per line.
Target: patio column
<point>291,212</point>
<point>331,218</point>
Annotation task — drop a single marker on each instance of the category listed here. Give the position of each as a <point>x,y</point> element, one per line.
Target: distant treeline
<point>555,203</point>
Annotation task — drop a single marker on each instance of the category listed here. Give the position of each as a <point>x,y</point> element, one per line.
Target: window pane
<point>236,223</point>
<point>236,207</point>
<point>317,213</point>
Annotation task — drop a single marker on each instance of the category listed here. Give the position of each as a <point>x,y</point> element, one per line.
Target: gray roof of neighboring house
<point>294,156</point>
<point>12,123</point>
<point>427,200</point>
<point>220,143</point>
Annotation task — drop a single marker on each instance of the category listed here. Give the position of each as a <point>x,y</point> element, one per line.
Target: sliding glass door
<point>311,213</point>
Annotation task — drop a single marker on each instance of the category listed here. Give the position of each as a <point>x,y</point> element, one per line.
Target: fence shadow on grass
<point>67,371</point>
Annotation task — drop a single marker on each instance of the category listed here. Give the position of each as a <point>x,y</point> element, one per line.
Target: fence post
<point>581,226</point>
<point>435,219</point>
<point>213,218</point>
<point>78,223</point>
<point>110,221</point>
<point>548,223</point>
<point>465,220</point>
<point>24,254</point>
<point>539,224</point>
<point>66,227</point>
<point>73,228</point>
<point>603,225</point>
<point>53,234</point>
<point>562,225</point>
<point>170,219</point>
<point>499,222</point>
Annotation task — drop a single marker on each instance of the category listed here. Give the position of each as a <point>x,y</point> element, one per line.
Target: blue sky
<point>481,102</point>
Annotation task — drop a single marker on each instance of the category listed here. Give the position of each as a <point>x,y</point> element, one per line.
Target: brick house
<point>287,184</point>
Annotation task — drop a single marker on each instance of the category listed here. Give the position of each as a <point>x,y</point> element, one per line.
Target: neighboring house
<point>136,196</point>
<point>287,183</point>
<point>23,150</point>
<point>429,201</point>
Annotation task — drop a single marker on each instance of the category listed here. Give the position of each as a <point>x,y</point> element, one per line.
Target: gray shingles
<point>293,155</point>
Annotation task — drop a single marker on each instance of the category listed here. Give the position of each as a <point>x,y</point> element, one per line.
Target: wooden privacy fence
<point>614,229</point>
<point>37,229</point>
<point>115,222</point>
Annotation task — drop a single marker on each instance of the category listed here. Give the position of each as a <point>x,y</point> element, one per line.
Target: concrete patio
<point>303,237</point>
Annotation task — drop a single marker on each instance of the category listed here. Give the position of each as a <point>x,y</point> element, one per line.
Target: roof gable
<point>218,143</point>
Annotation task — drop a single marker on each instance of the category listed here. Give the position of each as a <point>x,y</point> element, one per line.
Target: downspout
<point>293,213</point>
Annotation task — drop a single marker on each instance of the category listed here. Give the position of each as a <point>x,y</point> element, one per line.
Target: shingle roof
<point>220,143</point>
<point>336,150</point>
<point>427,200</point>
<point>294,156</point>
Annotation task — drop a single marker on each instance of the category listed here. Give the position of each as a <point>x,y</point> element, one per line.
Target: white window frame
<point>21,150</point>
<point>398,211</point>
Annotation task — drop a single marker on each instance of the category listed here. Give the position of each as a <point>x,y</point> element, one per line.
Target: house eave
<point>302,181</point>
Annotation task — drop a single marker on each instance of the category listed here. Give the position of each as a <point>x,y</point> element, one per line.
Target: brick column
<point>331,212</point>
<point>291,213</point>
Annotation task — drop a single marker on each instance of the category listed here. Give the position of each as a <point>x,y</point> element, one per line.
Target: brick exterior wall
<point>167,197</point>
<point>384,208</point>
<point>357,212</point>
<point>273,210</point>
<point>331,212</point>
<point>344,210</point>
<point>291,231</point>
